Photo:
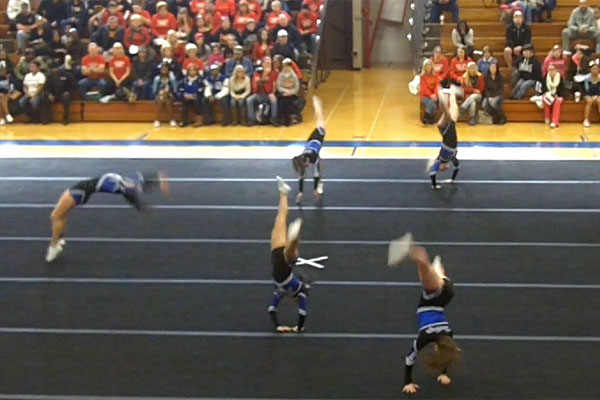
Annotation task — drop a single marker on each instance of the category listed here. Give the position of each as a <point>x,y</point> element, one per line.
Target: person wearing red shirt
<point>314,6</point>
<point>440,64</point>
<point>263,91</point>
<point>191,51</point>
<point>241,18</point>
<point>256,9</point>
<point>137,34</point>
<point>273,17</point>
<point>226,8</point>
<point>110,12</point>
<point>93,68</point>
<point>214,18</point>
<point>473,83</point>
<point>262,48</point>
<point>119,70</point>
<point>558,59</point>
<point>144,14</point>
<point>198,7</point>
<point>162,22</point>
<point>429,91</point>
<point>307,26</point>
<point>458,65</point>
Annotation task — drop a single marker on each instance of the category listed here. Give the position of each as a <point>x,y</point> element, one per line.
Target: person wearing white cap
<point>216,89</point>
<point>162,22</point>
<point>288,86</point>
<point>473,84</point>
<point>283,46</point>
<point>582,24</point>
<point>136,35</point>
<point>191,51</point>
<point>119,71</point>
<point>518,34</point>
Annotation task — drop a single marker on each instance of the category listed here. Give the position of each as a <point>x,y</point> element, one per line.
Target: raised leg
<point>431,276</point>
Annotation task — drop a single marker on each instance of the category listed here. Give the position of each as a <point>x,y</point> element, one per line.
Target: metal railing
<point>320,68</point>
<point>419,11</point>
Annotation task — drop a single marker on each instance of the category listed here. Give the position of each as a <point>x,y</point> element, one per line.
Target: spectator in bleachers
<point>582,24</point>
<point>293,34</point>
<point>162,22</point>
<point>473,84</point>
<point>167,57</point>
<point>272,18</point>
<point>226,8</point>
<point>203,48</point>
<point>142,70</point>
<point>307,27</point>
<point>262,48</point>
<point>539,6</point>
<point>202,26</point>
<point>558,59</point>
<point>226,33</point>
<point>529,72</point>
<point>61,86</point>
<point>278,63</point>
<point>239,90</point>
<point>136,34</point>
<point>177,48</point>
<point>6,88</point>
<point>518,34</point>
<point>191,51</point>
<point>33,92</point>
<point>56,49</point>
<point>74,46</point>
<point>198,7</point>
<point>95,6</point>
<point>93,69</point>
<point>119,72</point>
<point>6,61</point>
<point>216,89</point>
<point>14,7</point>
<point>192,89</point>
<point>109,34</point>
<point>592,91</point>
<point>316,5</point>
<point>175,6</point>
<point>440,64</point>
<point>164,89</point>
<point>25,22</point>
<point>239,59</point>
<point>54,11</point>
<point>216,55</point>
<point>77,16</point>
<point>150,6</point>
<point>40,36</point>
<point>494,94</point>
<point>137,9</point>
<point>439,6</point>
<point>242,16</point>
<point>263,92</point>
<point>256,9</point>
<point>185,24</point>
<point>553,96</point>
<point>458,65</point>
<point>463,35</point>
<point>487,59</point>
<point>288,86</point>
<point>283,47</point>
<point>250,36</point>
<point>429,91</point>
<point>524,6</point>
<point>125,8</point>
<point>579,69</point>
<point>24,66</point>
<point>100,19</point>
<point>214,19</point>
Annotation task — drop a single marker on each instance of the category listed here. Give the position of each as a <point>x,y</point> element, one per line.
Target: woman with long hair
<point>462,35</point>
<point>473,84</point>
<point>458,65</point>
<point>429,91</point>
<point>553,96</point>
<point>239,90</point>
<point>494,94</point>
<point>262,48</point>
<point>434,328</point>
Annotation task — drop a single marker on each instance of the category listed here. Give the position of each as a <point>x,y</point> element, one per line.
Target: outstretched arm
<point>449,105</point>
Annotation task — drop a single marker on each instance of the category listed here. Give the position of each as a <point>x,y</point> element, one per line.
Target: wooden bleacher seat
<point>75,113</point>
<point>140,111</point>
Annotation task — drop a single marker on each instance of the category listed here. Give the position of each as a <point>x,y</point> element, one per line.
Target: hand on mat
<point>444,379</point>
<point>284,329</point>
<point>411,388</point>
<point>297,330</point>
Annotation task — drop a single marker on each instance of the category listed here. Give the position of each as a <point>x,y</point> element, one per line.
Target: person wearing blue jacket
<point>216,89</point>
<point>192,91</point>
<point>238,59</point>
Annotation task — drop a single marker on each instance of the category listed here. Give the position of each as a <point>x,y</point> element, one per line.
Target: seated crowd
<point>245,55</point>
<point>566,72</point>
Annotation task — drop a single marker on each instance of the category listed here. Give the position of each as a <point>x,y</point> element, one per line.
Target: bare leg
<point>431,277</point>
<point>318,106</point>
<point>59,216</point>
<point>279,232</point>
<point>588,108</point>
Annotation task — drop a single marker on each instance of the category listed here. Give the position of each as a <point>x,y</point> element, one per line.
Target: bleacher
<point>114,111</point>
<point>490,31</point>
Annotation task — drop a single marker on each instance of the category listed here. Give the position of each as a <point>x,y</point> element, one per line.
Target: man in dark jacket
<point>54,11</point>
<point>283,47</point>
<point>294,36</point>
<point>529,73</point>
<point>518,34</point>
<point>61,85</point>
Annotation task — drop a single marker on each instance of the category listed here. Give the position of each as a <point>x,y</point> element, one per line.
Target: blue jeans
<point>86,84</point>
<point>521,87</point>
<point>253,100</point>
<point>430,105</point>
<point>31,107</point>
<point>438,9</point>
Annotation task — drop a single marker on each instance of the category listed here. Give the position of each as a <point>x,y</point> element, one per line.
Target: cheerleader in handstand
<point>310,155</point>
